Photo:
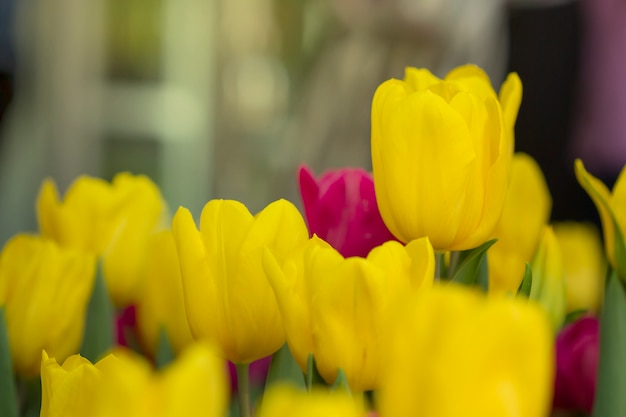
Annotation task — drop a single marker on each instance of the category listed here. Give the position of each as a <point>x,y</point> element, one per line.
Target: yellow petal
<point>285,400</point>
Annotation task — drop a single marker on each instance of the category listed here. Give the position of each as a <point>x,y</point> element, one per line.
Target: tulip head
<point>610,206</point>
<point>227,295</point>
<point>340,207</point>
<point>526,212</point>
<point>285,400</point>
<point>441,151</point>
<point>585,267</point>
<point>111,220</point>
<point>160,303</point>
<point>332,306</point>
<point>45,291</point>
<point>577,349</point>
<point>494,355</point>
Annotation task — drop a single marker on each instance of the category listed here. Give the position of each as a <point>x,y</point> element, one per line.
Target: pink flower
<point>125,326</point>
<point>340,207</point>
<point>577,365</point>
<point>258,373</point>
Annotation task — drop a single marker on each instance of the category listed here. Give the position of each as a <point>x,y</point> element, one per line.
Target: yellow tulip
<point>526,211</point>
<point>548,278</point>
<point>227,295</point>
<point>112,220</point>
<point>441,151</point>
<point>332,306</point>
<point>610,205</point>
<point>45,291</point>
<point>585,265</point>
<point>124,384</point>
<point>453,352</point>
<point>285,400</point>
<point>160,303</point>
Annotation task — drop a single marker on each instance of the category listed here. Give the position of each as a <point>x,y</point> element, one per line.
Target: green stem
<point>440,265</point>
<point>454,263</point>
<point>243,389</point>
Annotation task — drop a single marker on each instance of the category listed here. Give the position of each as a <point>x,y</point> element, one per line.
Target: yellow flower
<point>548,283</point>
<point>160,303</point>
<point>441,151</point>
<point>453,352</point>
<point>526,211</point>
<point>610,205</point>
<point>332,306</point>
<point>45,291</point>
<point>584,265</point>
<point>123,384</point>
<point>112,220</point>
<point>227,295</point>
<point>285,400</point>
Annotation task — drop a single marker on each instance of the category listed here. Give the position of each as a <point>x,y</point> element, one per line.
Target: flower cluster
<point>433,286</point>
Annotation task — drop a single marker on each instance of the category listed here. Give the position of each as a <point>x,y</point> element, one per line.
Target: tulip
<point>610,206</point>
<point>441,151</point>
<point>585,267</point>
<point>285,400</point>
<point>548,278</point>
<point>340,207</point>
<point>332,306</point>
<point>453,352</point>
<point>577,348</point>
<point>526,212</point>
<point>227,295</point>
<point>45,291</point>
<point>124,384</point>
<point>160,303</point>
<point>112,220</point>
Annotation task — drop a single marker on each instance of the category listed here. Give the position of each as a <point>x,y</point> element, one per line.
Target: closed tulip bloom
<point>160,303</point>
<point>332,306</point>
<point>340,207</point>
<point>610,205</point>
<point>45,291</point>
<point>285,400</point>
<point>124,384</point>
<point>526,211</point>
<point>548,278</point>
<point>441,151</point>
<point>577,353</point>
<point>227,295</point>
<point>112,220</point>
<point>584,267</point>
<point>453,352</point>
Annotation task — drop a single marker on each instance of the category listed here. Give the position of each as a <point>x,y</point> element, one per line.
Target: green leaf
<point>165,353</point>
<point>527,282</point>
<point>620,252</point>
<point>610,399</point>
<point>313,376</point>
<point>341,382</point>
<point>284,368</point>
<point>99,331</point>
<point>8,391</point>
<point>470,271</point>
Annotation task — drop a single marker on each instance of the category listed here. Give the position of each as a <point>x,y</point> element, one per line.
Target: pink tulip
<point>125,325</point>
<point>577,365</point>
<point>258,373</point>
<point>340,207</point>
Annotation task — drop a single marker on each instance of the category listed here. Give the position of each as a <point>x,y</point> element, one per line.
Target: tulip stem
<point>440,265</point>
<point>243,389</point>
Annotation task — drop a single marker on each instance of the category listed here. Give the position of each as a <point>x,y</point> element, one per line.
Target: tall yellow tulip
<point>112,220</point>
<point>526,211</point>
<point>441,151</point>
<point>160,301</point>
<point>610,205</point>
<point>45,291</point>
<point>285,400</point>
<point>584,265</point>
<point>453,352</point>
<point>227,295</point>
<point>332,306</point>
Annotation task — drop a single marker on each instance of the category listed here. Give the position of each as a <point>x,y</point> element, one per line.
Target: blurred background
<point>225,98</point>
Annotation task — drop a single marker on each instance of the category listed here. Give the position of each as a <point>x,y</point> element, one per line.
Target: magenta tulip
<point>340,207</point>
<point>577,365</point>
